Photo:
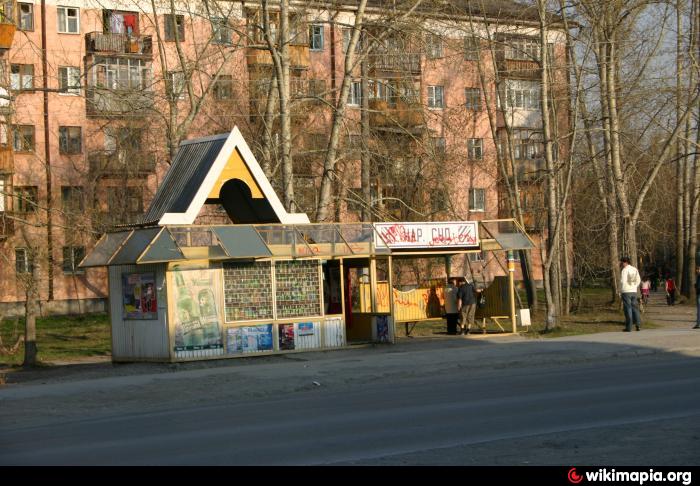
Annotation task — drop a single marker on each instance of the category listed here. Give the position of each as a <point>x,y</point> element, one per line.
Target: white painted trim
<point>234,141</point>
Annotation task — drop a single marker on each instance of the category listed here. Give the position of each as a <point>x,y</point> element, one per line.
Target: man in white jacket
<point>629,281</point>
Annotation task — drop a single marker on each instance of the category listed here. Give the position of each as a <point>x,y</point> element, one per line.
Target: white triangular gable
<point>234,141</point>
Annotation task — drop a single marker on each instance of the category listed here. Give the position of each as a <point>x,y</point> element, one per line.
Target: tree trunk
<point>551,265</point>
<point>324,200</point>
<point>681,196</point>
<point>366,156</point>
<point>30,312</point>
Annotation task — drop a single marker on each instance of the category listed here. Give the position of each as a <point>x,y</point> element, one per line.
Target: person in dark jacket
<point>697,297</point>
<point>466,302</point>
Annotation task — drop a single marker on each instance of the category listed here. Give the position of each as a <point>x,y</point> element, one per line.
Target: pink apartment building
<point>89,127</point>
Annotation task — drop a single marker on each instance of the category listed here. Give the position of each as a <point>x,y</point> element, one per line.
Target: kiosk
<point>217,268</point>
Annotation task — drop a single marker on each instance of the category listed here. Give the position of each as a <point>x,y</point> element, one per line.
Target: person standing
<point>646,287</point>
<point>670,290</point>
<point>629,282</point>
<point>697,297</point>
<point>466,302</point>
<point>451,309</point>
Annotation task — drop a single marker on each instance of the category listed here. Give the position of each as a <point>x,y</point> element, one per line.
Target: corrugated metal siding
<point>199,354</point>
<point>334,333</point>
<point>138,339</point>
<point>185,176</point>
<point>310,341</point>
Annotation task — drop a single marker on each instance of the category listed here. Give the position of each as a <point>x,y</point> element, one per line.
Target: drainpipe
<point>47,152</point>
<point>333,19</point>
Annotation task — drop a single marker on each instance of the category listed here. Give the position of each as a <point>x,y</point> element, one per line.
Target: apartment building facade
<point>97,94</point>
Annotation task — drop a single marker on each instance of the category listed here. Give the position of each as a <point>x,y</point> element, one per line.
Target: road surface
<point>642,410</point>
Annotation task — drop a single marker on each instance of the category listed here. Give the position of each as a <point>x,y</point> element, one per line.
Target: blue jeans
<point>697,306</point>
<point>631,306</point>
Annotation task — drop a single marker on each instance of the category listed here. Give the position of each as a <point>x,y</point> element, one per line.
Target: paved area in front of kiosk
<point>605,398</point>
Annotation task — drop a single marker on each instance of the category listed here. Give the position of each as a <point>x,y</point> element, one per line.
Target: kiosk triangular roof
<point>222,169</point>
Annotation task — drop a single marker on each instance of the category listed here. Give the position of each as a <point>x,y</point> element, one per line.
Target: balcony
<point>7,35</point>
<point>530,169</point>
<point>313,90</point>
<point>126,163</point>
<point>397,62</point>
<point>518,69</point>
<point>102,102</point>
<point>401,116</point>
<point>8,9</point>
<point>7,165</point>
<point>117,44</point>
<point>298,56</point>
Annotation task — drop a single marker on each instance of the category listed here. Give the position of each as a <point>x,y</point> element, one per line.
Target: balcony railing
<point>518,68</point>
<point>98,42</point>
<point>121,163</point>
<point>8,9</point>
<point>403,62</point>
<point>311,89</point>
<point>118,103</point>
<point>298,56</point>
<point>400,115</point>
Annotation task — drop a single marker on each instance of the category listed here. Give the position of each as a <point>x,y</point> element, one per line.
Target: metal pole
<point>511,289</point>
<point>391,300</point>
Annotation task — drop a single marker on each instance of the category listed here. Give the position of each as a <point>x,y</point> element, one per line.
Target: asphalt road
<point>422,417</point>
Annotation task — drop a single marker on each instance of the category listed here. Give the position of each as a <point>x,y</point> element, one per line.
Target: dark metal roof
<point>187,172</point>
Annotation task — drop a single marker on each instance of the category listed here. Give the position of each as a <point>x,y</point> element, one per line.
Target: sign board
<point>427,235</point>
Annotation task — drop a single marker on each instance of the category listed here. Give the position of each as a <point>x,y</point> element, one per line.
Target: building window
<point>69,80</point>
<point>433,46</point>
<point>68,20</point>
<point>70,140</point>
<point>355,95</point>
<point>120,22</point>
<point>522,49</point>
<point>523,94</point>
<point>476,257</point>
<point>316,37</point>
<point>175,85</point>
<point>72,199</point>
<point>473,99</point>
<point>223,87</point>
<point>72,256</point>
<point>475,148</point>
<point>121,74</point>
<point>2,194</point>
<point>347,34</point>
<point>21,77</point>
<point>26,16</point>
<point>527,144</point>
<point>477,200</point>
<point>24,261</point>
<point>438,145</point>
<point>435,97</point>
<point>26,199</point>
<point>23,138</point>
<point>438,200</point>
<point>471,48</point>
<point>171,21</point>
<point>221,31</point>
<point>125,199</point>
